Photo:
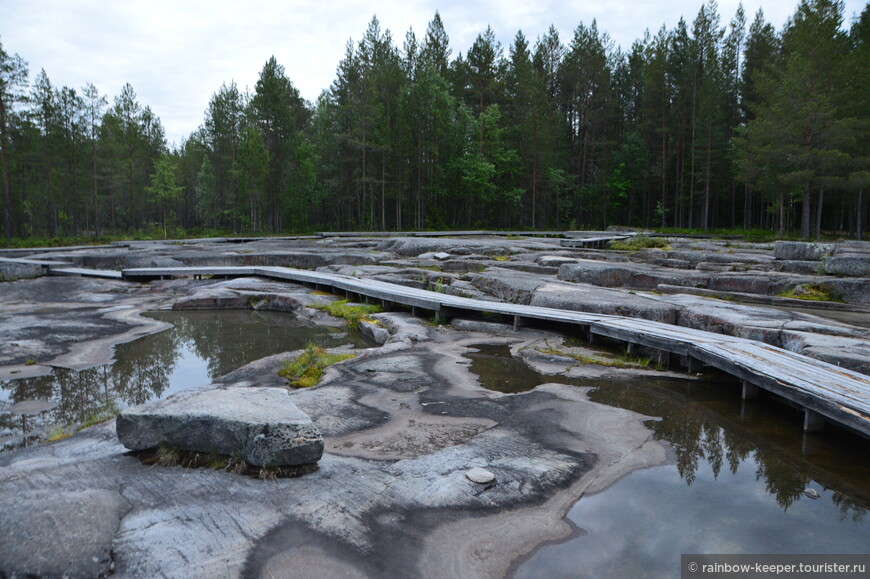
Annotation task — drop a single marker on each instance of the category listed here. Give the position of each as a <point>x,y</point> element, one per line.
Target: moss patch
<point>307,369</point>
<point>813,292</point>
<point>165,455</point>
<point>352,314</point>
<point>621,361</point>
<point>639,242</point>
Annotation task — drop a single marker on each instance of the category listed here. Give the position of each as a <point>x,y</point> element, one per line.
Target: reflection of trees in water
<point>136,376</point>
<point>142,372</point>
<point>142,369</point>
<point>696,437</point>
<point>229,340</point>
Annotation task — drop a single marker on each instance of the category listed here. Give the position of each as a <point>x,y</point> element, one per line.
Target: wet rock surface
<point>402,428</point>
<point>402,424</point>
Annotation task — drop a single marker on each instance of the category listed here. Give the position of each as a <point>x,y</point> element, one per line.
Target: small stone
<point>811,493</point>
<point>479,475</point>
<point>441,256</point>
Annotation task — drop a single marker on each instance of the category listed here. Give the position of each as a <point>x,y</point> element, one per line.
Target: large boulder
<point>515,287</point>
<point>801,250</point>
<point>262,425</point>
<point>10,271</point>
<point>633,275</point>
<point>853,265</point>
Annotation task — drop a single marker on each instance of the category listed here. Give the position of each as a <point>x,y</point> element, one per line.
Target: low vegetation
<point>352,314</point>
<point>639,242</point>
<point>813,292</point>
<point>165,455</point>
<point>621,361</point>
<point>306,370</point>
<point>103,413</point>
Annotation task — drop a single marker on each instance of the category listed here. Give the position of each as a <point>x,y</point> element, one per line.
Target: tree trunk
<point>860,217</point>
<point>7,201</point>
<point>781,214</point>
<point>819,215</point>
<point>805,212</point>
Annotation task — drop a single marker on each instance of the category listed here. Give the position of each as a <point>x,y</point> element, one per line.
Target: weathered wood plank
<point>102,273</point>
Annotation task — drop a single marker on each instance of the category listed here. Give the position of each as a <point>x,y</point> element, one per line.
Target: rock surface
<point>800,250</point>
<point>262,425</point>
<point>50,533</point>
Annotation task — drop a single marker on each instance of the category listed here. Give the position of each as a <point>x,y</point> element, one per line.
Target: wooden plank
<point>28,261</point>
<point>101,273</point>
<point>591,241</point>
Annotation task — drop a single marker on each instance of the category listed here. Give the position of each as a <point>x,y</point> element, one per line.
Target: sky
<point>177,53</point>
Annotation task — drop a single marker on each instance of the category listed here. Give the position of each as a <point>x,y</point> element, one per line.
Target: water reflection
<point>201,346</point>
<point>736,484</point>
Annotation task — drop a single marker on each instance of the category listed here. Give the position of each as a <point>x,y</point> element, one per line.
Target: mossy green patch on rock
<point>352,314</point>
<point>813,292</point>
<point>306,370</point>
<point>639,242</point>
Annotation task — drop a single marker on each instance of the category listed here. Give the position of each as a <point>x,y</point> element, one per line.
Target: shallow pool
<point>199,347</point>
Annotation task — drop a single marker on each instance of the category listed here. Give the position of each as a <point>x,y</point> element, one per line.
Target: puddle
<point>735,484</point>
<point>201,346</point>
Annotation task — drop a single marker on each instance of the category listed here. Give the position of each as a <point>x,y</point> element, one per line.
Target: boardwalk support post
<point>694,364</point>
<point>750,391</point>
<point>813,421</point>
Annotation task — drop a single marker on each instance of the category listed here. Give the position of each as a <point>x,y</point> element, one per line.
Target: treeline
<point>700,126</point>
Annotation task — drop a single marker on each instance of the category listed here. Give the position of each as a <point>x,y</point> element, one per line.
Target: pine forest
<point>706,125</point>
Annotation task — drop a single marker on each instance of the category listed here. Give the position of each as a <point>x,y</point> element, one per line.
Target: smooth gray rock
<point>586,298</point>
<point>262,425</point>
<point>16,271</point>
<point>375,332</point>
<point>51,533</point>
<point>480,475</point>
<point>801,250</point>
<point>799,267</point>
<point>850,290</point>
<point>480,326</point>
<point>854,265</point>
<point>554,260</point>
<point>510,286</point>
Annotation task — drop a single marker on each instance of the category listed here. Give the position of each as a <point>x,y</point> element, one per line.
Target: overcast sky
<point>176,53</point>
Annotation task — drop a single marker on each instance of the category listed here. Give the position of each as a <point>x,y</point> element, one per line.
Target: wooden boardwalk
<point>825,392</point>
<point>592,242</point>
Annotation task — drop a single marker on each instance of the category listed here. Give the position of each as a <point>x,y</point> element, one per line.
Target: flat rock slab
<point>51,533</point>
<point>262,425</point>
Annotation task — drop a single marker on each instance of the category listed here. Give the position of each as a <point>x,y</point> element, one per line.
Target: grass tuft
<point>813,292</point>
<point>621,361</point>
<point>352,314</point>
<point>306,369</point>
<point>639,242</point>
